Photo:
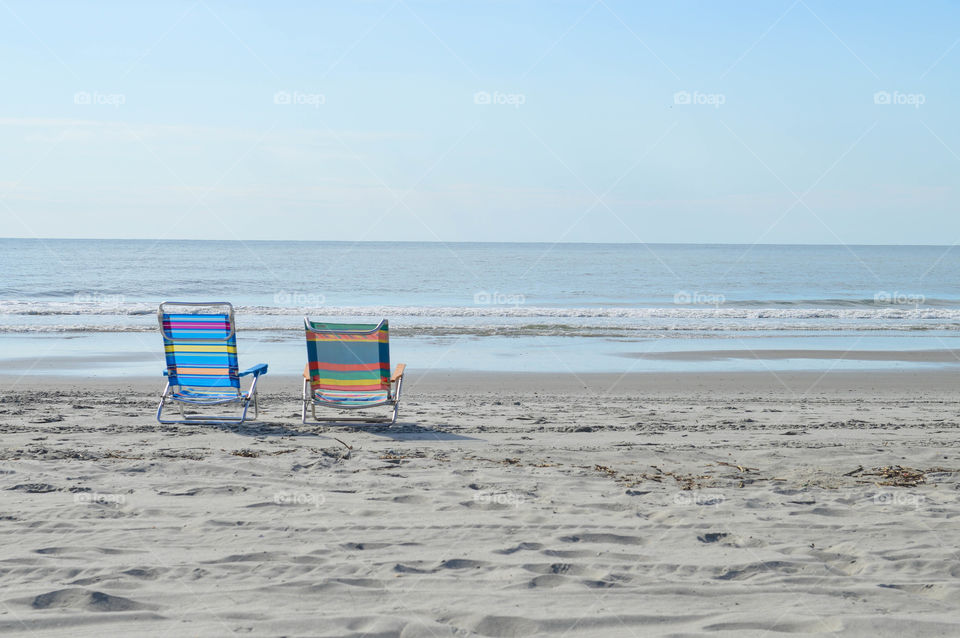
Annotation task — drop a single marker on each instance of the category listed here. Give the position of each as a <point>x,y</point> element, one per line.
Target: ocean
<point>88,307</point>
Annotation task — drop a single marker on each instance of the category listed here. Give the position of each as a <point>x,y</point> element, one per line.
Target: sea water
<point>89,306</point>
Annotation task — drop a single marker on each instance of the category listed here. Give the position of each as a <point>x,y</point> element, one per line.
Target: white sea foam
<point>427,327</point>
<point>57,308</point>
<point>27,317</point>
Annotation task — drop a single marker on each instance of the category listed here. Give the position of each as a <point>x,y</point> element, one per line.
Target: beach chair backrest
<point>348,357</point>
<point>200,347</point>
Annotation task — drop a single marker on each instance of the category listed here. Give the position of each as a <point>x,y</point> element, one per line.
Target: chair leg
<point>396,408</point>
<point>303,411</point>
<point>396,399</point>
<point>197,420</point>
<point>243,415</point>
<point>163,403</point>
<point>390,420</point>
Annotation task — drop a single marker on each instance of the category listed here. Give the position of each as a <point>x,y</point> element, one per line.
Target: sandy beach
<point>671,291</point>
<point>500,505</point>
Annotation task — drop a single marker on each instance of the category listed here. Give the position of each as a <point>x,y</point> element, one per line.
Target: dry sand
<point>679,505</point>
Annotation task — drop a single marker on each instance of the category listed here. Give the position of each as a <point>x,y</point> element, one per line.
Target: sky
<point>796,121</point>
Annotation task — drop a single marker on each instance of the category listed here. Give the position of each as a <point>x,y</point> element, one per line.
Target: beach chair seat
<point>348,368</point>
<point>201,354</point>
<point>334,399</point>
<point>204,397</point>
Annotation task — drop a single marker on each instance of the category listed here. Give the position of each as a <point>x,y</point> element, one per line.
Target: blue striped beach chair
<point>201,352</point>
<point>348,368</point>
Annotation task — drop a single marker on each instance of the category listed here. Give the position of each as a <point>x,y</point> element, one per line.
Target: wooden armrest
<point>306,371</point>
<point>398,372</point>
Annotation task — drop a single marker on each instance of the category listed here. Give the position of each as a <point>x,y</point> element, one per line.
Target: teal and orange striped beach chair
<point>200,344</point>
<point>348,368</point>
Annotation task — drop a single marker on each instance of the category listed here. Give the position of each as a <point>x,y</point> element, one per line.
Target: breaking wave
<point>488,320</point>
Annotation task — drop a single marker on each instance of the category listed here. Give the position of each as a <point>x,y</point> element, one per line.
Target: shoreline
<point>786,384</point>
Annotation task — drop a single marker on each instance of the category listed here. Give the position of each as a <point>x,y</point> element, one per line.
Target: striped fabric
<point>201,351</point>
<point>207,397</point>
<point>352,399</point>
<point>349,363</point>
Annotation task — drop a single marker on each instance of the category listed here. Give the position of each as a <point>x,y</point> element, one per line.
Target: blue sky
<point>715,122</point>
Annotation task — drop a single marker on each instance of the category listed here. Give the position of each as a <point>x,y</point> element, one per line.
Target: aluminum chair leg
<point>396,408</point>
<point>313,411</point>
<point>199,420</point>
<point>303,411</point>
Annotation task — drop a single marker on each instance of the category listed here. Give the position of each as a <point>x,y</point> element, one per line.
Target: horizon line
<point>441,242</point>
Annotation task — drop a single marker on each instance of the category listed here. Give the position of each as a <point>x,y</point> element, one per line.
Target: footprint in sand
<point>520,547</point>
<point>818,626</point>
<point>613,539</point>
<point>83,600</point>
<point>462,563</point>
<point>502,626</point>
<point>364,546</point>
<point>548,581</point>
<point>770,568</point>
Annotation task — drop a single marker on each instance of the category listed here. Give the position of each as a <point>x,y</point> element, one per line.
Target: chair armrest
<point>257,370</point>
<point>166,373</point>
<point>398,372</point>
<point>306,371</point>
